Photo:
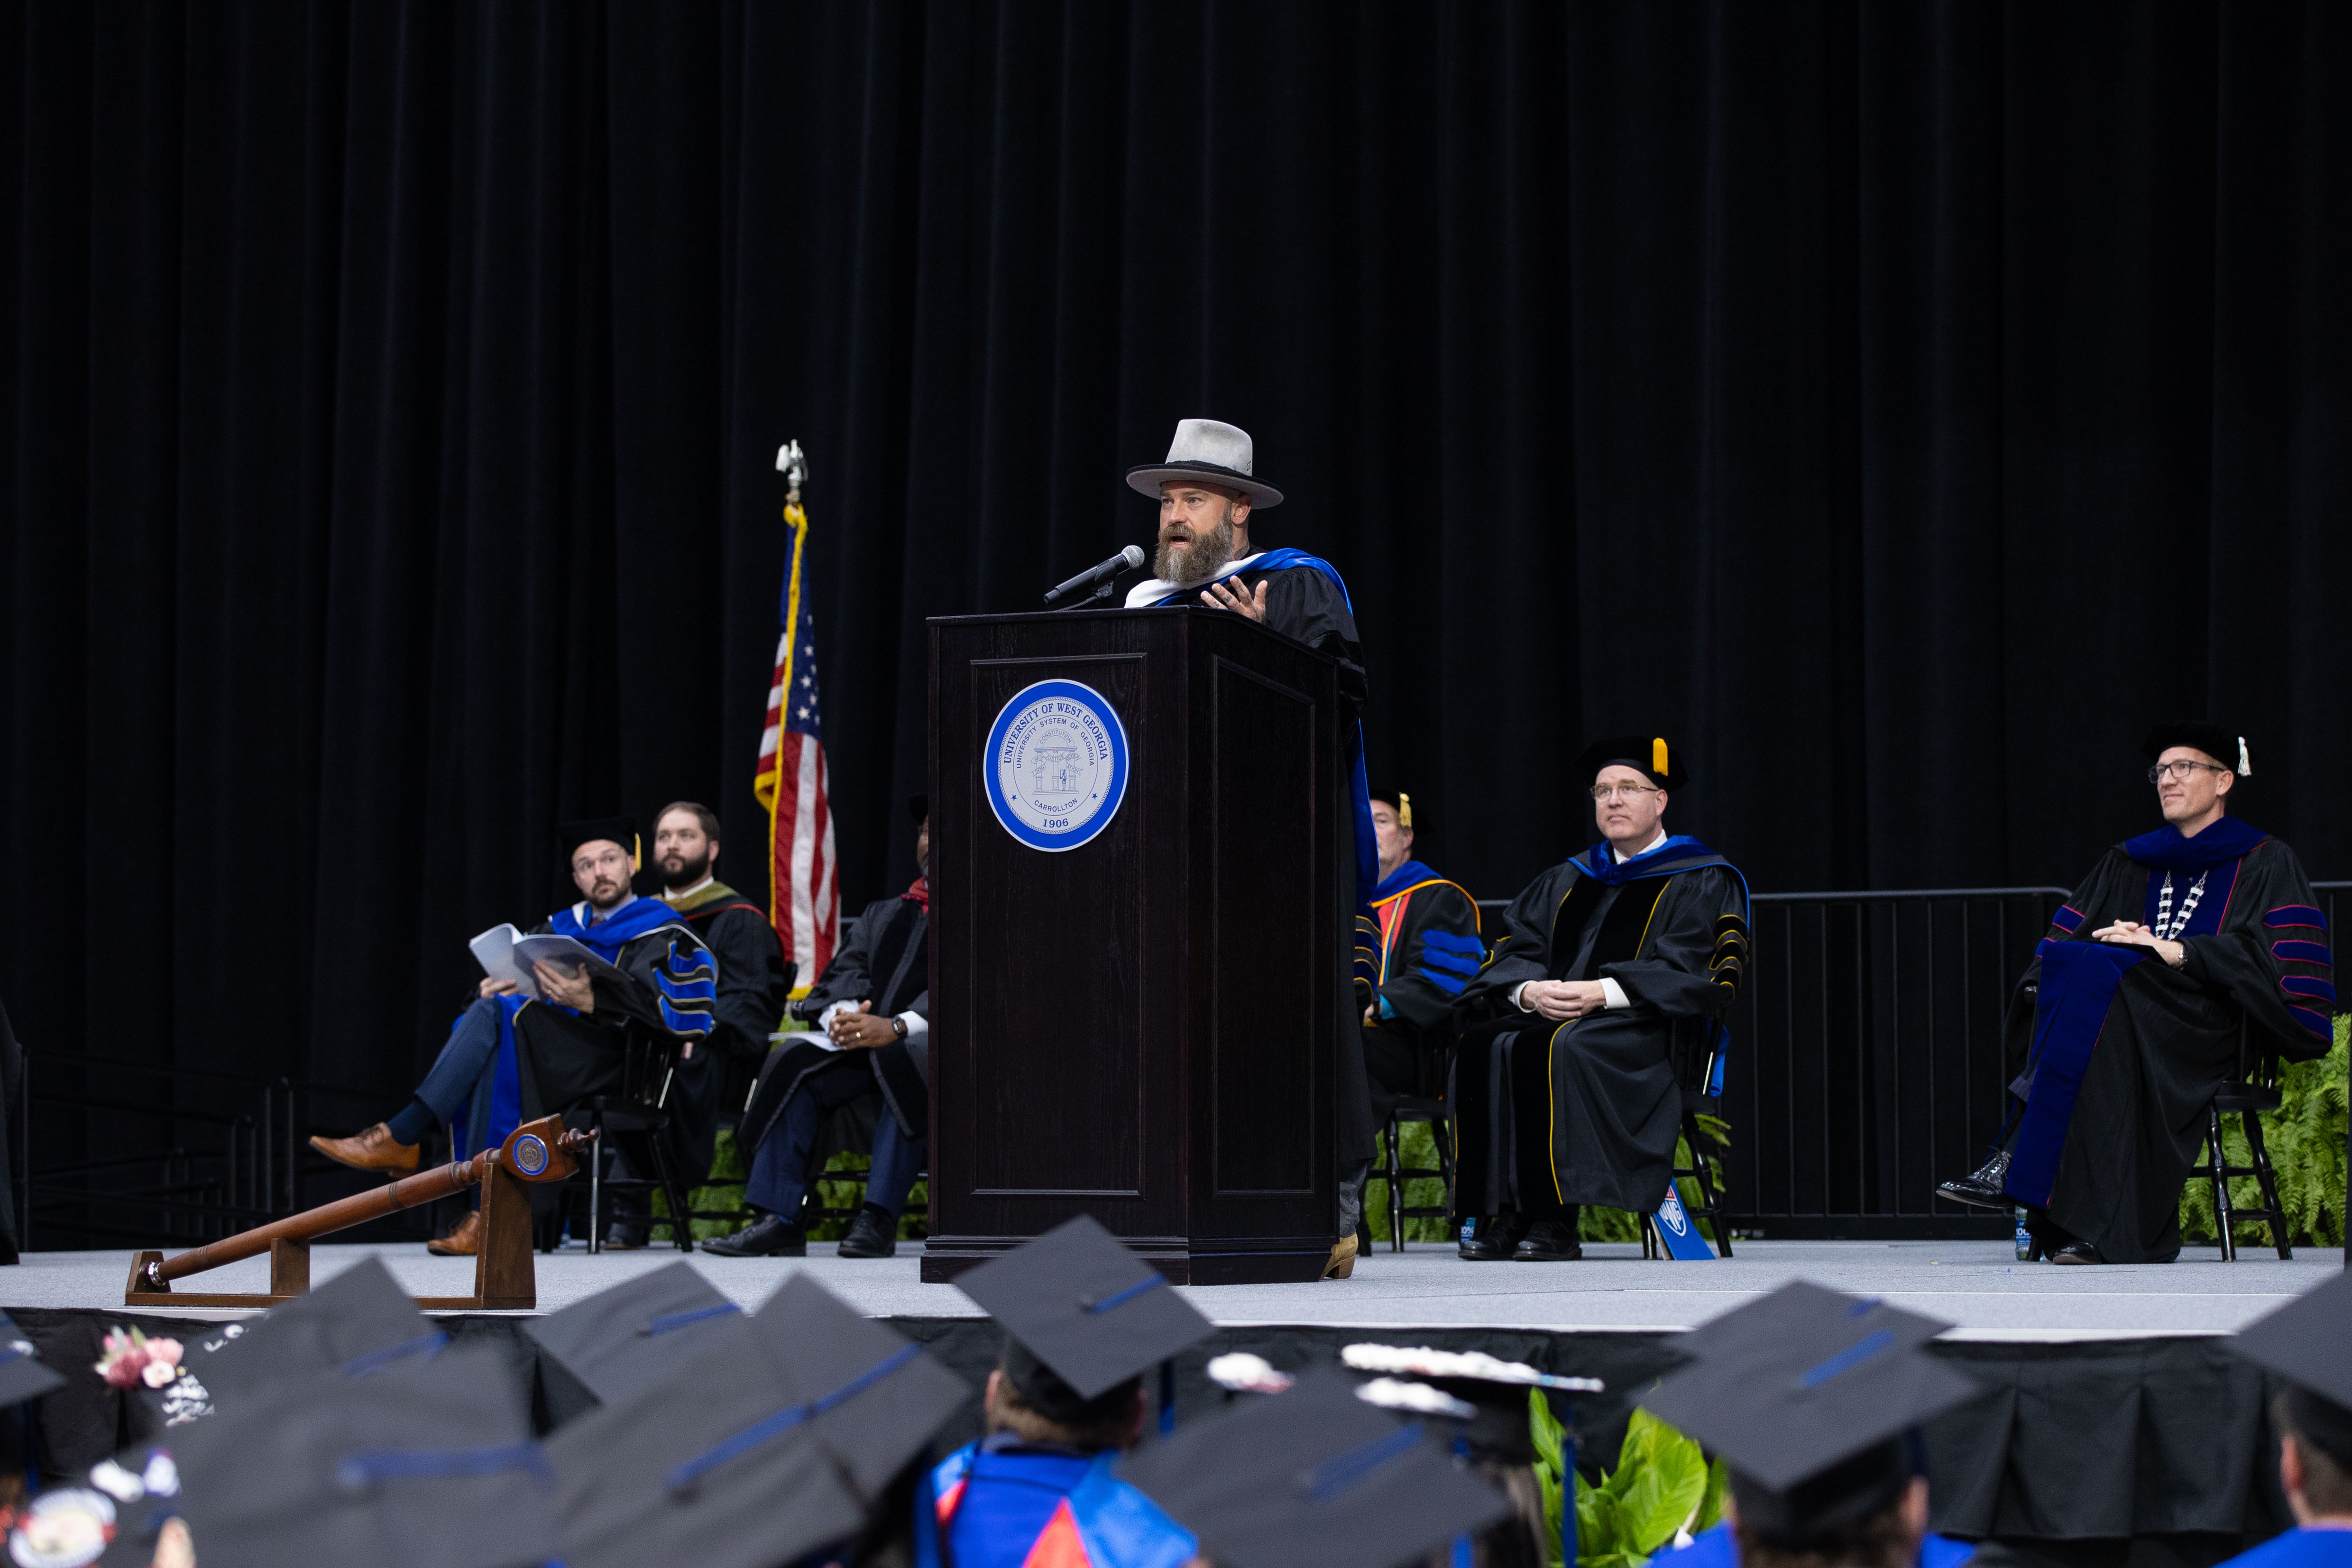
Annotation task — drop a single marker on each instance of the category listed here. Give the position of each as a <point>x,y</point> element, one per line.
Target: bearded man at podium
<point>1208,489</point>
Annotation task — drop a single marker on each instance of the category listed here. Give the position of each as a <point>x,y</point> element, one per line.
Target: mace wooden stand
<point>535,1152</point>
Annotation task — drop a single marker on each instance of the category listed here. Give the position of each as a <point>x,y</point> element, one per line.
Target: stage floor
<point>1978,1286</point>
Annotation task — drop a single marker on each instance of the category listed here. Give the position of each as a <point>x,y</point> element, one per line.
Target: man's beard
<point>617,894</point>
<point>687,873</point>
<point>1200,560</point>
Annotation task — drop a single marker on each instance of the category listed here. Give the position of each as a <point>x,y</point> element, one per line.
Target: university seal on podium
<point>1055,767</point>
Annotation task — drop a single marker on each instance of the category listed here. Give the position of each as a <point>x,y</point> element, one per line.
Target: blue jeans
<point>780,1167</point>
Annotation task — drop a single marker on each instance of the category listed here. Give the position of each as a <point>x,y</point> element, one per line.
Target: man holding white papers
<point>511,1056</point>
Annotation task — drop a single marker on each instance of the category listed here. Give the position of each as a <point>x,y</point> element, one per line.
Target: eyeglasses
<point>1621,791</point>
<point>2180,771</point>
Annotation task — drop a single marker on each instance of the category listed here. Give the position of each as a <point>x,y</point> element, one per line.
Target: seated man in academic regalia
<point>1430,950</point>
<point>2303,1343</point>
<point>511,1058</point>
<point>862,1082</point>
<point>2128,1019</point>
<point>1602,997</point>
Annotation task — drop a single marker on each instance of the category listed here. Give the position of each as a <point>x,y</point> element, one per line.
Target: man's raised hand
<point>577,992</point>
<point>1222,595</point>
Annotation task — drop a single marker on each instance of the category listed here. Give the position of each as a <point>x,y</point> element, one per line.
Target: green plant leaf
<point>1666,1491</point>
<point>1710,1508</point>
<point>1596,1524</point>
<point>1545,1429</point>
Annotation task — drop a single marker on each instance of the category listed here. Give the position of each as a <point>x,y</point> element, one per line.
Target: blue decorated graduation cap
<point>763,1446</point>
<point>356,1323</point>
<point>429,1460</point>
<point>1313,1478</point>
<point>1811,1396</point>
<point>2303,1343</point>
<point>1085,1315</point>
<point>640,1331</point>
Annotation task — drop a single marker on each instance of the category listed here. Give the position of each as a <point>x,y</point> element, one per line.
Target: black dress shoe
<point>2077,1253</point>
<point>1491,1238</point>
<point>1549,1241</point>
<point>769,1237</point>
<point>873,1234</point>
<point>1981,1187</point>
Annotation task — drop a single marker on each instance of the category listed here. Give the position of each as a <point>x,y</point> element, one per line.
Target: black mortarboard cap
<point>429,1461</point>
<point>1085,1306</point>
<point>2303,1343</point>
<point>23,1374</point>
<point>621,831</point>
<point>640,1330</point>
<point>358,1322</point>
<point>1397,801</point>
<point>1313,1477</point>
<point>1646,754</point>
<point>763,1447</point>
<point>918,807</point>
<point>2222,744</point>
<point>1809,1395</point>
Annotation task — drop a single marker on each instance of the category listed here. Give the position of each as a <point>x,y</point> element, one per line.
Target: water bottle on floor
<point>2024,1237</point>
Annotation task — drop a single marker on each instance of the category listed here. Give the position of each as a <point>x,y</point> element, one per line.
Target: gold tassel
<point>1658,756</point>
<point>1405,809</point>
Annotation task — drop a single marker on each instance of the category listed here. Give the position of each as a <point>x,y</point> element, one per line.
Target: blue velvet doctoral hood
<point>2167,849</point>
<point>1404,876</point>
<point>607,938</point>
<point>1680,852</point>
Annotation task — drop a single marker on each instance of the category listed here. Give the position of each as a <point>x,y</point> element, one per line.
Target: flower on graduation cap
<point>131,1358</point>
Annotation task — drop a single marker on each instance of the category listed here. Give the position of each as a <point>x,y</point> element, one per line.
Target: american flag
<point>803,902</point>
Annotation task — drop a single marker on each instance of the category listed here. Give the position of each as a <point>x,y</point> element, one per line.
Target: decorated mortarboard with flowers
<point>758,1448</point>
<point>1083,1304</point>
<point>1496,1390</point>
<point>1809,1395</point>
<point>431,1461</point>
<point>1315,1477</point>
<point>638,1331</point>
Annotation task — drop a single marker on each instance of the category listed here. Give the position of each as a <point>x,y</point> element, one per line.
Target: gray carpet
<point>1977,1285</point>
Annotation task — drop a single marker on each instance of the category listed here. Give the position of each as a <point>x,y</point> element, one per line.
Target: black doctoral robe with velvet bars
<point>2122,1052</point>
<point>1588,1111</point>
<point>1429,952</point>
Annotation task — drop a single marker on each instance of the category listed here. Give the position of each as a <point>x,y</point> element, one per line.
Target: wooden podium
<point>1140,1028</point>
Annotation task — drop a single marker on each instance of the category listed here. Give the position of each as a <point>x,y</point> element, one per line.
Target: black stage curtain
<point>1899,405</point>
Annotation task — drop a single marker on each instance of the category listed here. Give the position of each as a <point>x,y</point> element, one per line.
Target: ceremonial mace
<point>535,1152</point>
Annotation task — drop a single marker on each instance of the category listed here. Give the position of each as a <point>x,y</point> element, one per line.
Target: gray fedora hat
<point>1210,451</point>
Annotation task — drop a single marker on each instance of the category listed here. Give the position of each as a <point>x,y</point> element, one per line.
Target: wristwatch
<point>900,1026</point>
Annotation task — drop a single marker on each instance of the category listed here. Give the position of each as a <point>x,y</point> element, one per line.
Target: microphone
<point>1128,559</point>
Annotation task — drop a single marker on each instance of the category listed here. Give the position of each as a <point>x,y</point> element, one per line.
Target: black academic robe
<point>1587,1110</point>
<point>884,958</point>
<point>657,995</point>
<point>1430,951</point>
<point>1303,603</point>
<point>2122,1052</point>
<point>755,979</point>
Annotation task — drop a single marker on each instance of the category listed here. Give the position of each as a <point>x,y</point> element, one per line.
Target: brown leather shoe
<point>464,1239</point>
<point>1342,1261</point>
<point>373,1150</point>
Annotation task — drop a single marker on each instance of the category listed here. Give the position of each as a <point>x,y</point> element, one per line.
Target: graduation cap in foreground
<point>23,1374</point>
<point>2303,1343</point>
<point>1498,1391</point>
<point>638,1332</point>
<point>430,1462</point>
<point>1812,1397</point>
<point>763,1446</point>
<point>1085,1314</point>
<point>1310,1477</point>
<point>358,1321</point>
<point>1648,755</point>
